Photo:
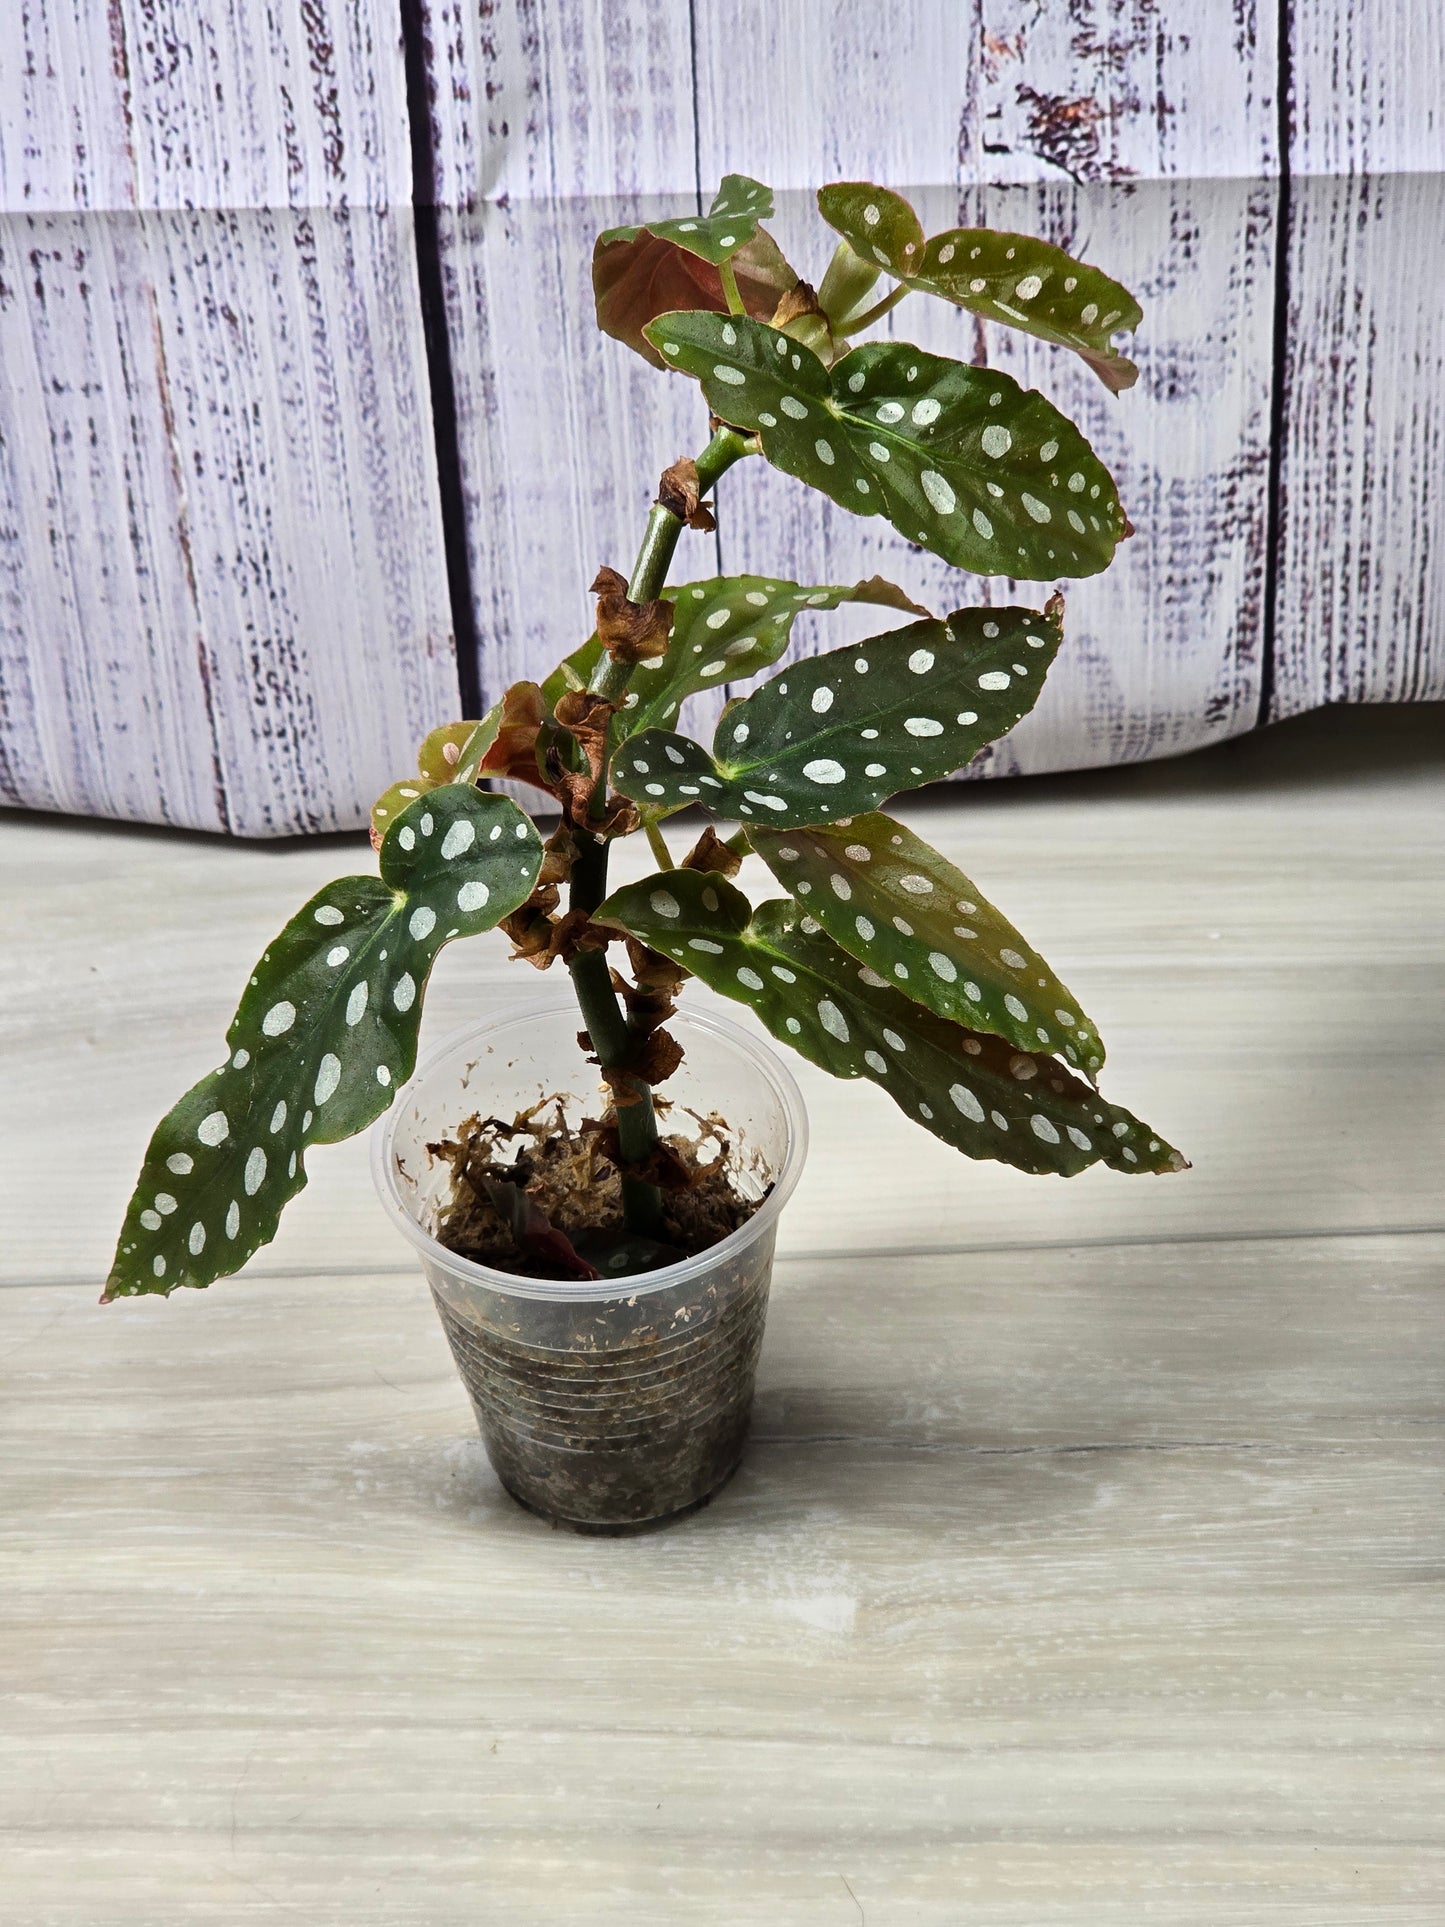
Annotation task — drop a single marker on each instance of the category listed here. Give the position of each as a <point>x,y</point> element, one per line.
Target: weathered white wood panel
<point>174,103</point>
<point>1360,603</point>
<point>225,596</point>
<point>1107,125</point>
<point>1360,609</point>
<point>224,589</point>
<point>1367,87</point>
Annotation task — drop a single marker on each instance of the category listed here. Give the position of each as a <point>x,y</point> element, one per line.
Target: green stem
<point>728,276</point>
<point>603,1015</point>
<point>851,324</point>
<point>659,849</point>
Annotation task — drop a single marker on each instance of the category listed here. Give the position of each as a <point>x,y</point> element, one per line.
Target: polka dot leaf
<point>839,733</point>
<point>973,1090</point>
<point>960,460</point>
<point>739,204</point>
<point>894,903</point>
<point>729,628</point>
<point>1011,278</point>
<point>325,1033</point>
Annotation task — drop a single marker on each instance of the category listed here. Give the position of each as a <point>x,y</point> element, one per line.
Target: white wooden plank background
<point>1360,605</point>
<point>224,590</point>
<point>221,493</point>
<point>1085,1564</point>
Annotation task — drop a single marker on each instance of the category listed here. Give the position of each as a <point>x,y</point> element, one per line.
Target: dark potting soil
<point>614,1413</point>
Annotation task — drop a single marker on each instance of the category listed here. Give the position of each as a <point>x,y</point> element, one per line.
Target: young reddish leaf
<point>1013,278</point>
<point>962,460</point>
<point>504,743</point>
<point>839,733</point>
<point>436,762</point>
<point>974,1091</point>
<point>890,900</point>
<point>731,627</point>
<point>639,273</point>
<point>325,1032</point>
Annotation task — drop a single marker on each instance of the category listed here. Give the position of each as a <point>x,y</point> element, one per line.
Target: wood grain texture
<point>1113,90</point>
<point>1359,615</point>
<point>1256,937</point>
<point>1366,88</point>
<point>1121,1601</point>
<point>224,597</point>
<point>166,104</point>
<point>1084,1564</point>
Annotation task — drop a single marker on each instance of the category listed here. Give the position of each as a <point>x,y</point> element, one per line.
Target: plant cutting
<point>599,1239</point>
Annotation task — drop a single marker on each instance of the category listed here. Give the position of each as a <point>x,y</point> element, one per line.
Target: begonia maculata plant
<point>877,958</point>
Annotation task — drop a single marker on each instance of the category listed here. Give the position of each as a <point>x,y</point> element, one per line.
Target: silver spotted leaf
<point>739,204</point>
<point>976,1092</point>
<point>960,460</point>
<point>893,902</point>
<point>837,734</point>
<point>325,1032</point>
<point>728,628</point>
<point>1012,278</point>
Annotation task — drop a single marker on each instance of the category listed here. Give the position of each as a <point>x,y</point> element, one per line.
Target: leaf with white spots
<point>436,761</point>
<point>639,273</point>
<point>839,733</point>
<point>1016,279</point>
<point>975,1091</point>
<point>960,460</point>
<point>325,1033</point>
<point>729,628</point>
<point>897,905</point>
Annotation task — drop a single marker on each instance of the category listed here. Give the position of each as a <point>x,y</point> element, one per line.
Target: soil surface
<point>571,1180</point>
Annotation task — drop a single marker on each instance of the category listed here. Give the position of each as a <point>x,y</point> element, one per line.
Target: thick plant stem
<point>603,1015</point>
<point>727,274</point>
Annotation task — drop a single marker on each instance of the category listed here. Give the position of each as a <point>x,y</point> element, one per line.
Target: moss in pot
<point>594,1189</point>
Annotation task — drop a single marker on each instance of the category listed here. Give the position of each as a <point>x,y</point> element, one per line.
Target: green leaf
<point>325,1032</point>
<point>639,273</point>
<point>893,902</point>
<point>962,460</point>
<point>839,733</point>
<point>975,1092</point>
<point>739,204</point>
<point>1013,278</point>
<point>728,628</point>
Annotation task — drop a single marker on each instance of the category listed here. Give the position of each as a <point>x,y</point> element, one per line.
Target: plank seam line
<point>1279,361</point>
<point>855,1254</point>
<point>418,55</point>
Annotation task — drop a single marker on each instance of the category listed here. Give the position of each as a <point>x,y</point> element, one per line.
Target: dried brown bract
<point>679,493</point>
<point>630,631</point>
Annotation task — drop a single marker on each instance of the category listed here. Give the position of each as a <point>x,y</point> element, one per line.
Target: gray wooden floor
<point>1086,1562</point>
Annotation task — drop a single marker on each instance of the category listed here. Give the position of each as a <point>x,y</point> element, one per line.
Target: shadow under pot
<point>608,1404</point>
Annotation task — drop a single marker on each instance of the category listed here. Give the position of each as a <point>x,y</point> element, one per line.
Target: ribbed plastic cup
<point>613,1404</point>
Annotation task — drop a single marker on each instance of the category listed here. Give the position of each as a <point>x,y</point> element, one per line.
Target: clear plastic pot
<point>611,1404</point>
